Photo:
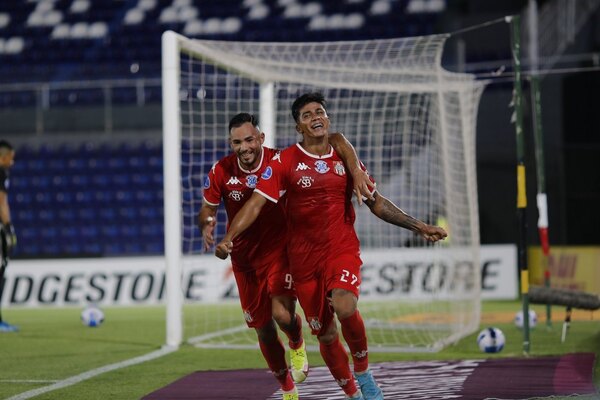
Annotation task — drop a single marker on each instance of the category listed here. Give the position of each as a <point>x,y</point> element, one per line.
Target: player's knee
<point>328,337</point>
<point>283,309</point>
<point>344,303</point>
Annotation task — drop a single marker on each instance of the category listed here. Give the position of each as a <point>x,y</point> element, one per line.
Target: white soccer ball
<point>532,319</point>
<point>92,316</point>
<point>491,340</point>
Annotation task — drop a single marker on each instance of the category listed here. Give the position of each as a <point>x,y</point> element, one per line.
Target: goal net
<point>413,125</point>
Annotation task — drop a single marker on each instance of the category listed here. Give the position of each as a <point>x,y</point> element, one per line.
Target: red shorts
<point>314,291</point>
<point>257,287</point>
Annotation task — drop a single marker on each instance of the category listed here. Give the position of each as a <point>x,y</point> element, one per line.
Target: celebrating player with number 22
<point>259,259</point>
<point>323,248</point>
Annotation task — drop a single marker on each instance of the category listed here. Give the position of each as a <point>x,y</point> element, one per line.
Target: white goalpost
<point>413,125</point>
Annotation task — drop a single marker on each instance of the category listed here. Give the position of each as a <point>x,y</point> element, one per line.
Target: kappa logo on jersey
<point>306,181</point>
<point>251,181</point>
<point>247,316</point>
<point>315,324</point>
<point>234,181</point>
<point>338,167</point>
<point>277,157</point>
<point>321,166</point>
<point>302,167</point>
<point>267,174</point>
<point>206,182</point>
<point>236,195</point>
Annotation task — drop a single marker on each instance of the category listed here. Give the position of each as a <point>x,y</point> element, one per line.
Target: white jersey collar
<point>330,154</point>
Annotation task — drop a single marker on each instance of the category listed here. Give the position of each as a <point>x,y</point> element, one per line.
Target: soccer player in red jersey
<point>323,248</point>
<point>259,258</point>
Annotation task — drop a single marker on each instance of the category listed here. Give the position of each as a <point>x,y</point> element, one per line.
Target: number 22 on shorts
<point>347,277</point>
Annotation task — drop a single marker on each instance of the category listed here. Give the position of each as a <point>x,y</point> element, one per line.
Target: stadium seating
<point>88,199</point>
<point>105,199</point>
<point>60,40</point>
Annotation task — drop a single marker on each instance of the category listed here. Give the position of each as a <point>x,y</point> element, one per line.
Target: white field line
<point>29,380</point>
<point>94,372</point>
<point>208,336</point>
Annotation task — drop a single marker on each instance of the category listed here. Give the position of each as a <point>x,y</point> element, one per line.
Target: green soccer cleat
<point>293,395</point>
<point>299,363</point>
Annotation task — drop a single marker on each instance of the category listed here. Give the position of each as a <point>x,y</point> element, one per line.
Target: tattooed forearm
<point>392,214</point>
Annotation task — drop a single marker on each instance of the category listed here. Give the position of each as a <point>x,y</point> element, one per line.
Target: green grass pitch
<point>53,345</point>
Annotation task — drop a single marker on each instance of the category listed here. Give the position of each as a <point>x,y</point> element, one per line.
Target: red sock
<point>295,334</point>
<point>336,358</point>
<point>274,354</point>
<point>353,329</point>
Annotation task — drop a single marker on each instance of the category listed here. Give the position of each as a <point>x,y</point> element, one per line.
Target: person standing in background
<point>7,231</point>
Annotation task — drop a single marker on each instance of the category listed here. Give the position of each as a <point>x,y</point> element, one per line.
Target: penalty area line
<point>94,372</point>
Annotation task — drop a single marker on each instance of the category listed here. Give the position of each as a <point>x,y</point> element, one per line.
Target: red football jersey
<point>265,239</point>
<point>320,214</point>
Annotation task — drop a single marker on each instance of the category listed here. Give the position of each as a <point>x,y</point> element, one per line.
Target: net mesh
<point>413,125</point>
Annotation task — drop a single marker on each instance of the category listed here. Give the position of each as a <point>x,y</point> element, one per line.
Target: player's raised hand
<point>223,249</point>
<point>433,233</point>
<point>207,233</point>
<point>363,186</point>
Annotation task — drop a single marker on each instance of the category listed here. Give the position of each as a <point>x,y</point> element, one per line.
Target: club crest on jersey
<point>206,182</point>
<point>338,167</point>
<point>236,195</point>
<point>267,174</point>
<point>305,181</point>
<point>321,166</point>
<point>234,181</point>
<point>251,181</point>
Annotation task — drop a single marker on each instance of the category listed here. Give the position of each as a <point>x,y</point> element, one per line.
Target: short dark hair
<point>313,97</point>
<point>5,145</point>
<point>242,118</point>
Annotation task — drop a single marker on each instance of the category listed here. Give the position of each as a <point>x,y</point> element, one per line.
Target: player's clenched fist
<point>223,249</point>
<point>433,233</point>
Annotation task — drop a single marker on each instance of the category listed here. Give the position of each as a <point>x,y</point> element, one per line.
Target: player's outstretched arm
<point>243,219</point>
<point>363,186</point>
<point>206,221</point>
<point>390,213</point>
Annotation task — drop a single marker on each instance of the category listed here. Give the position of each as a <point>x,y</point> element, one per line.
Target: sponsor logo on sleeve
<point>339,168</point>
<point>267,174</point>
